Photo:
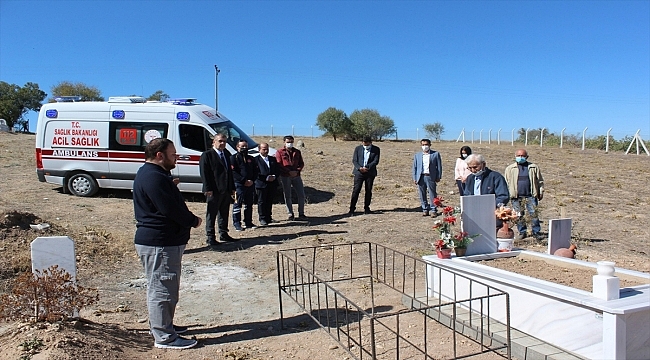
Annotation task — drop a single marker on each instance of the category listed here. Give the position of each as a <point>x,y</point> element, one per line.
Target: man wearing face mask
<point>365,160</point>
<point>244,172</point>
<point>526,188</point>
<point>291,164</point>
<point>426,173</point>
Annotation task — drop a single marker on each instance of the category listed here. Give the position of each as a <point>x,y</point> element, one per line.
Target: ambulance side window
<point>134,136</point>
<point>194,137</point>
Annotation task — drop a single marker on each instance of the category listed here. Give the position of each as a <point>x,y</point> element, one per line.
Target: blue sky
<point>467,64</point>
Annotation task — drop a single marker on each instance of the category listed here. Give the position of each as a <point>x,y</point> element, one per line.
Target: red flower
<point>437,201</point>
<point>439,244</point>
<point>448,210</point>
<point>450,219</point>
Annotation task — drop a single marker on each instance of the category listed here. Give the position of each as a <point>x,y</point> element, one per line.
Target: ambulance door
<point>132,126</point>
<point>126,155</point>
<point>194,140</point>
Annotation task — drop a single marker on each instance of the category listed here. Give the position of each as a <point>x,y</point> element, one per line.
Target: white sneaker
<point>179,343</point>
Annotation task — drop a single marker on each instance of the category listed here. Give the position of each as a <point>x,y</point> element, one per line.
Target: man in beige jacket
<point>526,188</point>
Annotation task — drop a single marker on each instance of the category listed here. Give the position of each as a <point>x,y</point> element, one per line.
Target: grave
<point>607,323</point>
<point>582,322</point>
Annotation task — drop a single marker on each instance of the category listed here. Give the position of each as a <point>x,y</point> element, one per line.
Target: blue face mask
<point>520,159</point>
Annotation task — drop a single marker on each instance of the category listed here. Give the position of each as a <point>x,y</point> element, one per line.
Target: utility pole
<point>216,87</point>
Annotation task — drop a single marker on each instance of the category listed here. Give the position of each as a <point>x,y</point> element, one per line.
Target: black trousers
<point>360,180</point>
<point>218,210</point>
<point>265,198</point>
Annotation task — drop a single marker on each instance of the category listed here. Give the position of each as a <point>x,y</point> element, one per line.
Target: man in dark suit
<point>244,172</point>
<point>365,160</point>
<point>266,184</point>
<point>218,187</point>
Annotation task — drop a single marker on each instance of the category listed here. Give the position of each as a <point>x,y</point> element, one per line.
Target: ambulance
<point>85,146</point>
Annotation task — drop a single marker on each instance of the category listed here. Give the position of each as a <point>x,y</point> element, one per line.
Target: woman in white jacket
<point>461,172</point>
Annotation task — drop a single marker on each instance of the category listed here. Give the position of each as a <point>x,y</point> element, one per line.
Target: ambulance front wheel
<point>82,184</point>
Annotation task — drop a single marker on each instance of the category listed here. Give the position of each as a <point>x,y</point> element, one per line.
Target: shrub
<point>51,295</point>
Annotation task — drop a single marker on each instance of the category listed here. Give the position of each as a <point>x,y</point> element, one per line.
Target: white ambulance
<point>84,146</point>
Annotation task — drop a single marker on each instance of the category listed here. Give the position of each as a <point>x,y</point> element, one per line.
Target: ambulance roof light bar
<point>67,98</point>
<point>182,101</point>
<point>127,99</point>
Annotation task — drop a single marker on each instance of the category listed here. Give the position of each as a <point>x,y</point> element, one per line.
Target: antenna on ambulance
<point>216,87</point>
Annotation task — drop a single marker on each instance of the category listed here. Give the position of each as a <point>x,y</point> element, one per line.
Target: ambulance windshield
<point>233,133</point>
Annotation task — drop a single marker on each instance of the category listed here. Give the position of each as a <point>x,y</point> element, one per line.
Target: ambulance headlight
<point>118,114</point>
<point>52,114</point>
<point>182,116</point>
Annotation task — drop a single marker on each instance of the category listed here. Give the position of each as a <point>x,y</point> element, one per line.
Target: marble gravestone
<point>559,234</point>
<point>54,250</point>
<point>478,218</point>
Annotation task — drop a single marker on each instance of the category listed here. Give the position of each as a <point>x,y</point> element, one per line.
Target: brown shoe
<point>425,213</point>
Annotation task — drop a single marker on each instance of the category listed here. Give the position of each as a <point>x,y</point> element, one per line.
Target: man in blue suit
<point>365,160</point>
<point>426,173</point>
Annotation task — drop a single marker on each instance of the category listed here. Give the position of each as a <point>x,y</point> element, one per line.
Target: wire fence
<point>630,142</point>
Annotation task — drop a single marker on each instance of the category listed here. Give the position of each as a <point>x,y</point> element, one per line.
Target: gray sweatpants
<point>162,267</point>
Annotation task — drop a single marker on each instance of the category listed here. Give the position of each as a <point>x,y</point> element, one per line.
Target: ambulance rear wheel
<point>82,184</point>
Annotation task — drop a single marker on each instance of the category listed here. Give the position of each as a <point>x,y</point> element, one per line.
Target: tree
<point>434,130</point>
<point>15,101</point>
<point>334,122</point>
<point>368,122</point>
<point>159,95</point>
<point>67,88</point>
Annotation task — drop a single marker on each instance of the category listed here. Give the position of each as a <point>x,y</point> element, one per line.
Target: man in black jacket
<point>163,230</point>
<point>218,187</point>
<point>244,172</point>
<point>266,184</point>
<point>365,160</point>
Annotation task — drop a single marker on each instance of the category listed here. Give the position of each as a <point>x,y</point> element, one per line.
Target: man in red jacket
<point>290,161</point>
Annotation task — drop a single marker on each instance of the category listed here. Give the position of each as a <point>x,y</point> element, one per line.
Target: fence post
<point>526,142</point>
<point>490,136</point>
<point>607,141</point>
<point>417,133</point>
<point>562,137</point>
<point>499,137</point>
<point>472,136</point>
<point>253,129</point>
<point>583,138</point>
<point>541,137</point>
<point>462,134</point>
<point>512,137</point>
<point>480,137</point>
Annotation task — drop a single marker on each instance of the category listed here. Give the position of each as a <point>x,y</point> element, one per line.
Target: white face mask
<point>479,173</point>
<point>425,148</point>
<point>464,156</point>
<point>367,147</point>
<point>288,145</point>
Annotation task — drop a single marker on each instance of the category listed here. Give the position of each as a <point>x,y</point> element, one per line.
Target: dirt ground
<point>229,298</point>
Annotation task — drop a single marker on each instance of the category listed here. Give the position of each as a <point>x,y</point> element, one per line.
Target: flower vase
<point>460,251</point>
<point>444,253</point>
<point>505,232</point>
